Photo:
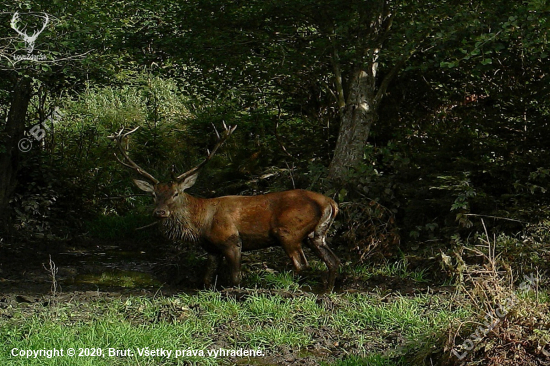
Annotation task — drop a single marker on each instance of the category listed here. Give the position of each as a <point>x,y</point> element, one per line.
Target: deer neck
<point>186,221</point>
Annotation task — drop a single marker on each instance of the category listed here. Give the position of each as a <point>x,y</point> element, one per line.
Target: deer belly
<point>252,242</point>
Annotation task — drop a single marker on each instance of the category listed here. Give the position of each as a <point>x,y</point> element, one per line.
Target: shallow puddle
<point>108,266</point>
<point>119,278</point>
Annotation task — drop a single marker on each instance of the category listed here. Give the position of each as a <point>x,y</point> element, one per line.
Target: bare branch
<point>340,96</point>
<point>279,137</point>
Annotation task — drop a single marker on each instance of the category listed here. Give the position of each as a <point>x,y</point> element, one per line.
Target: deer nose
<point>161,214</point>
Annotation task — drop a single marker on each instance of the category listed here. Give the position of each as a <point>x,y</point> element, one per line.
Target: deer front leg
<point>292,245</point>
<point>211,269</point>
<point>296,254</point>
<point>232,252</point>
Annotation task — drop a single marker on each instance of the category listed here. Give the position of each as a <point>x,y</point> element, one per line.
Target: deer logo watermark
<point>29,39</point>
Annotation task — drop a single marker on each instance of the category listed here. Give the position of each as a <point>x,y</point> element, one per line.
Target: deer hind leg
<point>317,242</point>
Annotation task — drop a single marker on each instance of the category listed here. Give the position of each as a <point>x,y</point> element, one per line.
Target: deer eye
<point>175,194</point>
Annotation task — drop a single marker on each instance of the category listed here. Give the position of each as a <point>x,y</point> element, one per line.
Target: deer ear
<point>188,182</point>
<point>144,186</point>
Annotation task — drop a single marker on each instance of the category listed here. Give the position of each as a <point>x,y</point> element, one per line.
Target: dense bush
<point>412,186</point>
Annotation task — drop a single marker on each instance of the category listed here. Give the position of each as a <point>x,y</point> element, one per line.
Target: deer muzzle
<point>161,213</point>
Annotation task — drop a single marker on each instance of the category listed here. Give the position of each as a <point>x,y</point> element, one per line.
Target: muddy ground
<point>87,270</point>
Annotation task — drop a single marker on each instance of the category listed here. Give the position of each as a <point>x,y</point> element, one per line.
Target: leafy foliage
<point>462,131</point>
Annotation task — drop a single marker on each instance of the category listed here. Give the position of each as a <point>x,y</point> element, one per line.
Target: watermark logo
<point>38,132</point>
<point>29,39</point>
<point>493,318</point>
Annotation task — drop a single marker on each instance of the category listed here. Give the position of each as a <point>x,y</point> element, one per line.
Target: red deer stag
<point>227,226</point>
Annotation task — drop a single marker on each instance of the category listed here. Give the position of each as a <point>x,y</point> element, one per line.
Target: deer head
<point>168,196</point>
<point>29,40</point>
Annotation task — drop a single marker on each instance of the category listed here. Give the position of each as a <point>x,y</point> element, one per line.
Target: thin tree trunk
<point>357,118</point>
<point>9,157</point>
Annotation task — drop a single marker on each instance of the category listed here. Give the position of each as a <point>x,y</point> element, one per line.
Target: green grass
<point>372,360</point>
<point>288,280</point>
<point>285,280</point>
<point>39,333</point>
<point>359,323</point>
<point>399,269</point>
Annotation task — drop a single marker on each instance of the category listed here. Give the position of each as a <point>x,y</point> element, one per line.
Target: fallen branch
<point>497,218</point>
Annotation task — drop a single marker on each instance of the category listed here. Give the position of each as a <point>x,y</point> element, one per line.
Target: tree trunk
<point>359,103</point>
<point>356,119</point>
<point>12,134</point>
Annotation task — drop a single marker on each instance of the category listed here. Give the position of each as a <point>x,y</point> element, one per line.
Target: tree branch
<point>395,69</point>
<point>340,96</point>
<point>388,79</point>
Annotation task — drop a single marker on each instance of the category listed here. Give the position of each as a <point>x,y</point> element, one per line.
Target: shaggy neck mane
<point>185,222</point>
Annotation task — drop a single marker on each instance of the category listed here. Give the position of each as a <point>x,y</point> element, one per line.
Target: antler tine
<point>44,25</point>
<point>221,139</point>
<point>14,20</point>
<point>118,139</point>
<point>215,130</point>
<point>173,172</point>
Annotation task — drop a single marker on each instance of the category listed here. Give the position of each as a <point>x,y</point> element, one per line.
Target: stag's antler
<point>221,139</point>
<point>119,138</point>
